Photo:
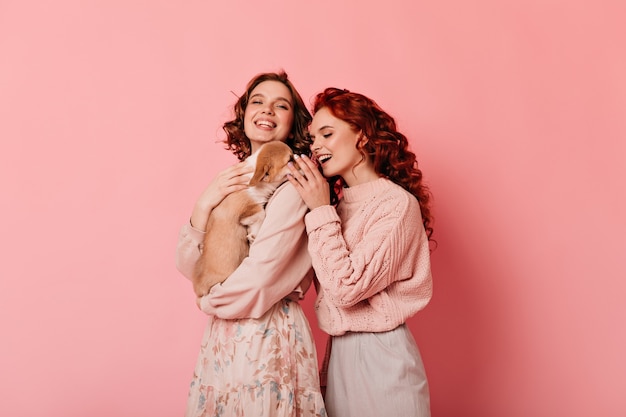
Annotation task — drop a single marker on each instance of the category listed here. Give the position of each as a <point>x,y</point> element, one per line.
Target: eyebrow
<point>312,133</point>
<point>277,99</point>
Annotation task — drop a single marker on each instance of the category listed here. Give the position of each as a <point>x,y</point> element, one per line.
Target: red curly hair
<point>387,148</point>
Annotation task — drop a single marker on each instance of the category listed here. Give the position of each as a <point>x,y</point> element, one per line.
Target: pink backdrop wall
<point>109,113</point>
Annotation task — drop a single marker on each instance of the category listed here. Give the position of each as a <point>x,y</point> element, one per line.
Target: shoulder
<point>285,196</point>
<point>396,205</point>
<point>394,195</point>
<point>285,191</point>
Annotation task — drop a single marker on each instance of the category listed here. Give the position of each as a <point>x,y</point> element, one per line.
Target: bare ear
<point>361,140</point>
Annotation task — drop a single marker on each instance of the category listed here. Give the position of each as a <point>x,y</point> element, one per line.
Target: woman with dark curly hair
<point>369,230</point>
<point>257,355</point>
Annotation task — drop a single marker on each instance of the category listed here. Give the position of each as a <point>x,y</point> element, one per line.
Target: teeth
<point>323,158</point>
<point>265,123</point>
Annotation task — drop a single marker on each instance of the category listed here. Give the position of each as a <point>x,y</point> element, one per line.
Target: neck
<point>361,176</point>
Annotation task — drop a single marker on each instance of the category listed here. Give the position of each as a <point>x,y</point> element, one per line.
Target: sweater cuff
<point>192,232</point>
<point>320,216</point>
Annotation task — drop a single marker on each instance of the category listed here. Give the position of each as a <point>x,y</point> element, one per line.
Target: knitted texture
<point>371,257</point>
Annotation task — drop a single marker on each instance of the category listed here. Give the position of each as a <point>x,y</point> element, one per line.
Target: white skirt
<point>376,374</point>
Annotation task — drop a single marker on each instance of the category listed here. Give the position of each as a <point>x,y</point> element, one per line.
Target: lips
<point>265,123</point>
<point>323,158</point>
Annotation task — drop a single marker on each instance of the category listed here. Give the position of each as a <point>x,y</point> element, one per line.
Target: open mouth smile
<point>265,123</point>
<point>324,158</point>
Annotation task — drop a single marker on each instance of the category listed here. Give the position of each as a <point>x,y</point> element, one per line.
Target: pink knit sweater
<point>371,257</point>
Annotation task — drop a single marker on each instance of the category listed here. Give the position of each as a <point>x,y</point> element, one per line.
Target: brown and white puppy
<point>234,223</point>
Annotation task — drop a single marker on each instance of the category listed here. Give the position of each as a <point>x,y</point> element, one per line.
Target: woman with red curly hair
<point>369,229</point>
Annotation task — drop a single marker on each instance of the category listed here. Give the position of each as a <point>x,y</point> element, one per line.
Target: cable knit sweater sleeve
<point>277,266</point>
<point>371,259</point>
<point>351,275</point>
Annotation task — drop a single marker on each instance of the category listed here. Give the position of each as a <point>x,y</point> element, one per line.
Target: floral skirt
<point>257,367</point>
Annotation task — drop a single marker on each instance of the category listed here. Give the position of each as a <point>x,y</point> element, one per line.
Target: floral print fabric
<point>257,367</point>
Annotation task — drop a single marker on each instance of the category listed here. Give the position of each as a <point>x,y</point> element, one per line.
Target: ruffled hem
<point>265,400</point>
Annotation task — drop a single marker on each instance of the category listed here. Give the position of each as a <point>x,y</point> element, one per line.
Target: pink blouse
<point>278,265</point>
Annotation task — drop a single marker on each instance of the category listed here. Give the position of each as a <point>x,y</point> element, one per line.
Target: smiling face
<point>335,148</point>
<point>269,114</point>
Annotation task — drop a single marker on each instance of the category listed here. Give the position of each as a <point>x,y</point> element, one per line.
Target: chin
<point>326,172</point>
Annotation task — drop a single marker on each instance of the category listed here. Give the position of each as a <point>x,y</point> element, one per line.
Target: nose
<point>267,109</point>
<point>315,146</point>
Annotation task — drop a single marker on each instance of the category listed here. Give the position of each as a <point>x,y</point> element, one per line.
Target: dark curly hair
<point>236,140</point>
<point>387,148</point>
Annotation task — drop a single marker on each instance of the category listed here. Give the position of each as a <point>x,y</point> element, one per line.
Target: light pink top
<point>278,265</point>
<point>372,259</point>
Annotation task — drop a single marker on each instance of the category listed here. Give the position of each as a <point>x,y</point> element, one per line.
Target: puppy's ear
<point>260,174</point>
<point>271,159</point>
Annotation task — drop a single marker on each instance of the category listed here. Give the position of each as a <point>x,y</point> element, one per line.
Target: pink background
<point>109,113</point>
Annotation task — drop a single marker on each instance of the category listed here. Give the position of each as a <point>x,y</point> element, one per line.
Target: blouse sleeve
<point>381,254</point>
<point>278,263</point>
<point>187,249</point>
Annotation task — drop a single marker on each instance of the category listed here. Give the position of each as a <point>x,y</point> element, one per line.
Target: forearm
<point>276,265</point>
<point>252,297</point>
<point>200,214</point>
<point>187,249</point>
<point>350,272</point>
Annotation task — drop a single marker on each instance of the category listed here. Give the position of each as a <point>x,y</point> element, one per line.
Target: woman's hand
<point>233,178</point>
<point>309,182</point>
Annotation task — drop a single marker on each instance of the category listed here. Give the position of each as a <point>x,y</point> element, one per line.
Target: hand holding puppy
<point>309,182</point>
<point>230,180</point>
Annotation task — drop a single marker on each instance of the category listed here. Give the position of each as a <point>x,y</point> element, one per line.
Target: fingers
<point>234,177</point>
<point>294,175</point>
<point>227,181</point>
<point>305,163</point>
<point>294,181</point>
<point>308,168</point>
<point>237,170</point>
<point>304,173</point>
<point>309,182</point>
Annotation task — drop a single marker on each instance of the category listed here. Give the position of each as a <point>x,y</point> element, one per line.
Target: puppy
<point>234,223</point>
